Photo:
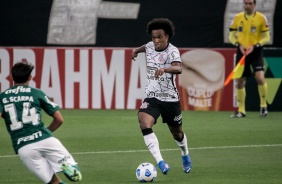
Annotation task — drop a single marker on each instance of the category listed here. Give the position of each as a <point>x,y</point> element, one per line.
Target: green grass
<point>108,146</point>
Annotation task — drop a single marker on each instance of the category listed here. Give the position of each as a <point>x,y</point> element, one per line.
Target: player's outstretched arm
<point>175,68</point>
<point>57,121</point>
<point>135,52</point>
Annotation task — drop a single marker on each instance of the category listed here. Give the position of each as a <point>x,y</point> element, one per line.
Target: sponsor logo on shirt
<point>152,94</point>
<point>31,137</point>
<point>21,89</point>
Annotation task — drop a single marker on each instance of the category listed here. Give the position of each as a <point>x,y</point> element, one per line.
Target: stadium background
<point>199,24</point>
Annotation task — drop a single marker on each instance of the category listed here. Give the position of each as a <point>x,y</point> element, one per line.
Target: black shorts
<point>254,59</point>
<point>169,111</point>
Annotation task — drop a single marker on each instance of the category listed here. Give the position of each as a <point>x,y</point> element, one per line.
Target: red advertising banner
<point>106,78</point>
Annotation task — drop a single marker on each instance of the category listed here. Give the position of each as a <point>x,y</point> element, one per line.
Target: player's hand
<point>242,49</point>
<point>159,72</point>
<point>134,54</point>
<point>250,49</point>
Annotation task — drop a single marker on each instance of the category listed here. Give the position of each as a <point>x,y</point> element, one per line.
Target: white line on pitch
<point>176,149</point>
<point>199,148</point>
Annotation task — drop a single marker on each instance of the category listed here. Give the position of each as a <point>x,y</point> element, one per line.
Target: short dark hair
<point>254,1</point>
<point>161,23</point>
<point>21,71</point>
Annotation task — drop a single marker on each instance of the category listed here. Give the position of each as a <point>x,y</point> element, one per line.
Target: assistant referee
<point>249,33</point>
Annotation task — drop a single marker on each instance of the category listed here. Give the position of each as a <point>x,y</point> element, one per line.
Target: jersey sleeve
<point>265,24</point>
<point>47,104</point>
<point>233,26</point>
<point>174,55</point>
<point>149,46</point>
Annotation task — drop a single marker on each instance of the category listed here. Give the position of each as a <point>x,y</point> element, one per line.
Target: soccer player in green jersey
<point>42,154</point>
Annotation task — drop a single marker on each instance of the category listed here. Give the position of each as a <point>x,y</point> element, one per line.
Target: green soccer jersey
<point>20,107</point>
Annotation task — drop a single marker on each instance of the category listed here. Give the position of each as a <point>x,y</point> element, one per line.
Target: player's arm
<point>175,68</point>
<point>233,30</point>
<point>57,121</point>
<point>233,40</point>
<point>232,37</point>
<point>135,52</point>
<point>265,38</point>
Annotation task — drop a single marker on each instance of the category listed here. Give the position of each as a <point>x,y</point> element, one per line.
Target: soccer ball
<point>146,172</point>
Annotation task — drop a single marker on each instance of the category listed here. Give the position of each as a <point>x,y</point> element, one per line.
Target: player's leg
<point>171,113</point>
<point>258,66</point>
<point>181,140</point>
<point>56,180</point>
<point>60,159</point>
<point>240,97</point>
<point>147,116</point>
<point>262,89</point>
<point>37,164</point>
<point>150,138</point>
<point>240,86</point>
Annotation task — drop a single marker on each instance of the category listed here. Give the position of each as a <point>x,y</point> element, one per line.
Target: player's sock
<point>183,145</point>
<point>152,144</point>
<point>241,95</point>
<point>262,94</point>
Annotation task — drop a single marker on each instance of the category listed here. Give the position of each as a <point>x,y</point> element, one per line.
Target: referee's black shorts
<point>254,60</point>
<point>169,111</point>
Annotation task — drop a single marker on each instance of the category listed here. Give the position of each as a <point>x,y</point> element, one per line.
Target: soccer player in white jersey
<point>42,154</point>
<point>161,95</point>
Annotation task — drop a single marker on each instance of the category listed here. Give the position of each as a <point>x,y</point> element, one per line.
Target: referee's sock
<point>262,94</point>
<point>241,96</point>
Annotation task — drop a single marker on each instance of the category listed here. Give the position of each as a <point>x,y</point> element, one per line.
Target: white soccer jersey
<point>164,87</point>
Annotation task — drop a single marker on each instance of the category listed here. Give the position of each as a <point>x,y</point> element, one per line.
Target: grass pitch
<point>108,145</point>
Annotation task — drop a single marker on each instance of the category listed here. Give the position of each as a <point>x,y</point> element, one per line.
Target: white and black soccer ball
<point>146,172</point>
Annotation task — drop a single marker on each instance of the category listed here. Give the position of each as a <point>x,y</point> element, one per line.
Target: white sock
<point>152,144</point>
<point>183,145</point>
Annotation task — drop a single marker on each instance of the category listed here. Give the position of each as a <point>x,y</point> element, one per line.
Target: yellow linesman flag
<point>237,71</point>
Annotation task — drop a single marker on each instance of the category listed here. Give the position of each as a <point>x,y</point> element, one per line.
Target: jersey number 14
<point>29,115</point>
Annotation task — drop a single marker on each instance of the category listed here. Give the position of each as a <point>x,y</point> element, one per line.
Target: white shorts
<point>44,158</point>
